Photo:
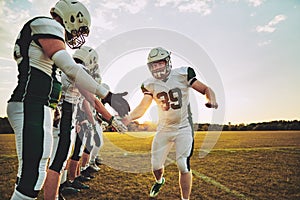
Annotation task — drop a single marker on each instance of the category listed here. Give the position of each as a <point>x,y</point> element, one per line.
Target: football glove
<point>211,105</point>
<point>118,125</point>
<point>118,103</point>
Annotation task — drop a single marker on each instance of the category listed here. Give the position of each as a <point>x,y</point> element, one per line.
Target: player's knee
<point>183,165</point>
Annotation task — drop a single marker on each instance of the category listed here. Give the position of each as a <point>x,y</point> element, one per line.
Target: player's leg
<point>65,187</point>
<point>184,149</point>
<point>74,159</point>
<point>32,124</point>
<point>185,183</point>
<point>98,159</point>
<point>97,133</point>
<point>85,160</point>
<point>53,177</point>
<point>161,146</point>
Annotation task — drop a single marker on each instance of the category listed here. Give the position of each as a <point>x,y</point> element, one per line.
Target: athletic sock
<point>159,181</point>
<point>64,176</point>
<point>19,196</point>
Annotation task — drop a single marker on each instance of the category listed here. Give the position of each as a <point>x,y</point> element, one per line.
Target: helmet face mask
<point>159,63</point>
<point>77,38</point>
<point>75,19</point>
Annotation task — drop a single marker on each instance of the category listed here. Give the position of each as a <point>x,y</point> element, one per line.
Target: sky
<point>249,48</point>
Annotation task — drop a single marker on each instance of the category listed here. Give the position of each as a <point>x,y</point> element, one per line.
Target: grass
<point>242,165</point>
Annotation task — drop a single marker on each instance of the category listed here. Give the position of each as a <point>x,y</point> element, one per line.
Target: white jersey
<point>172,98</point>
<point>70,92</point>
<point>38,79</point>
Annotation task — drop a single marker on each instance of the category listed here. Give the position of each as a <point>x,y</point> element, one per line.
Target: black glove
<point>117,102</point>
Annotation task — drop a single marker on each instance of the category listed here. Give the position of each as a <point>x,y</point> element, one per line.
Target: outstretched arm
<point>139,111</point>
<point>56,50</point>
<point>100,108</point>
<point>208,92</point>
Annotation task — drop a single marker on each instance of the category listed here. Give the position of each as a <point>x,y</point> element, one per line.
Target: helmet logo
<point>80,17</point>
<point>153,53</point>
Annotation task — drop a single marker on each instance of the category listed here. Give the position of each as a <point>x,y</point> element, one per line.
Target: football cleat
<point>94,166</point>
<point>98,160</point>
<point>86,173</point>
<point>66,189</point>
<point>61,197</point>
<point>90,169</point>
<point>78,185</point>
<point>82,178</point>
<point>156,187</point>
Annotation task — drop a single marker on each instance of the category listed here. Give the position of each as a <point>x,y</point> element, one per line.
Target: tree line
<point>148,126</point>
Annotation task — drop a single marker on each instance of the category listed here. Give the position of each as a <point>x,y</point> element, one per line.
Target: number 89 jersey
<point>172,98</point>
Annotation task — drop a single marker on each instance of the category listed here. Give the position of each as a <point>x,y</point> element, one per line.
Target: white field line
<point>217,184</point>
<point>220,186</point>
<point>280,148</point>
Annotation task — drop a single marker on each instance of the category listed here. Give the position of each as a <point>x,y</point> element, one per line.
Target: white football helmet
<point>89,58</point>
<point>75,18</point>
<point>159,54</point>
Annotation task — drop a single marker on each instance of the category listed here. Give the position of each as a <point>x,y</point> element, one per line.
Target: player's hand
<point>118,103</point>
<point>211,105</point>
<point>57,116</point>
<point>118,125</point>
<point>126,120</point>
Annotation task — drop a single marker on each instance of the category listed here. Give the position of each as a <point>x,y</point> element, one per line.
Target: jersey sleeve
<point>189,73</point>
<point>47,28</point>
<point>191,76</point>
<point>146,88</point>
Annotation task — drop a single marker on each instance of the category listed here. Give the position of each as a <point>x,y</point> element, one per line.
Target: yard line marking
<point>280,148</point>
<point>220,186</point>
<point>217,184</point>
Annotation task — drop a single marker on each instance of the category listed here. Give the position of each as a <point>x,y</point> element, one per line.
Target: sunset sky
<point>254,46</point>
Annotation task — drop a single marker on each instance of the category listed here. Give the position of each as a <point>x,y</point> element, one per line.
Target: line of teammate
<point>55,89</point>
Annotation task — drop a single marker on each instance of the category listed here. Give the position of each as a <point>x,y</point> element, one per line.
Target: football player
<point>73,95</point>
<point>169,88</point>
<point>40,52</point>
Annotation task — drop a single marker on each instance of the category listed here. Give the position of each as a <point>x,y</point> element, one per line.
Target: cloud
<point>204,7</point>
<point>264,43</point>
<point>255,3</point>
<point>105,13</point>
<point>11,20</point>
<point>270,27</point>
<point>131,6</point>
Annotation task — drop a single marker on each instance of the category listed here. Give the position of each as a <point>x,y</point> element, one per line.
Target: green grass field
<point>242,165</point>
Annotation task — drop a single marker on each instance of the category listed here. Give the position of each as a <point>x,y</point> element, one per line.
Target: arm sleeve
<point>77,74</point>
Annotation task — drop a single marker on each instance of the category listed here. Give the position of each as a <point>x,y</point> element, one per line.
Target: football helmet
<point>88,56</point>
<point>155,56</point>
<point>76,20</point>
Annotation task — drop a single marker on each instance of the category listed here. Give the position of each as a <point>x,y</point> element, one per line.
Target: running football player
<point>169,88</point>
